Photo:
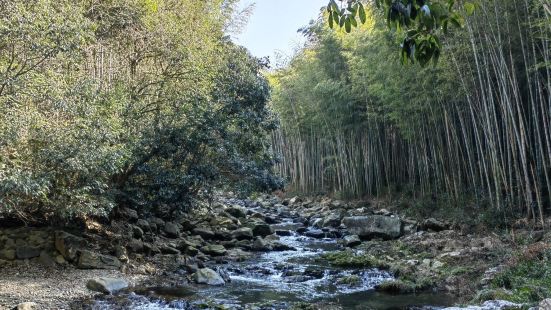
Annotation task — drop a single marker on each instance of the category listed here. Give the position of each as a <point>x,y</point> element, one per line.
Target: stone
<point>283,233</point>
<point>192,251</point>
<point>7,254</point>
<point>545,304</point>
<point>238,255</point>
<point>374,226</point>
<point>26,252</point>
<point>434,225</point>
<point>128,213</point>
<point>46,260</point>
<point>106,285</point>
<point>315,233</point>
<point>151,249</point>
<point>121,253</point>
<point>26,306</point>
<point>237,211</point>
<point>261,245</point>
<point>205,233</point>
<point>137,232</point>
<point>91,260</point>
<point>172,230</point>
<point>68,245</point>
<point>135,246</point>
<point>242,233</point>
<point>352,241</point>
<point>143,224</point>
<point>166,249</point>
<point>208,276</point>
<point>214,249</point>
<point>262,230</point>
<point>332,220</point>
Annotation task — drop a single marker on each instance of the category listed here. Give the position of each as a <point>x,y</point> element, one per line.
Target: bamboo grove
<point>356,122</point>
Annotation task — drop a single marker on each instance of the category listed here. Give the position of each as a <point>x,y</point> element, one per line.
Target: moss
<point>527,280</point>
<point>397,287</point>
<point>352,280</point>
<point>350,259</point>
<point>303,306</point>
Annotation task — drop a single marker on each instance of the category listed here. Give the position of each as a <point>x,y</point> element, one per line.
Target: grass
<point>527,279</point>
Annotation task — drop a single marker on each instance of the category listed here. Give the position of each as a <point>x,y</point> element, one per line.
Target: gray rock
<point>208,276</point>
<point>332,220</point>
<point>106,285</point>
<point>137,232</point>
<point>68,245</point>
<point>434,224</point>
<point>143,224</point>
<point>166,249</point>
<point>128,214</point>
<point>46,260</point>
<point>315,233</point>
<point>214,249</point>
<point>261,245</point>
<point>237,211</point>
<point>91,260</point>
<point>205,233</point>
<point>262,230</point>
<point>545,304</point>
<point>242,233</point>
<point>374,226</point>
<point>352,241</point>
<point>135,246</point>
<point>172,230</point>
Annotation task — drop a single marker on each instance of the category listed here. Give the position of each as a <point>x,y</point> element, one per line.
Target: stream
<point>277,280</point>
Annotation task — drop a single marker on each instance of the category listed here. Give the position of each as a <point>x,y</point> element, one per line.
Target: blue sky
<point>273,26</point>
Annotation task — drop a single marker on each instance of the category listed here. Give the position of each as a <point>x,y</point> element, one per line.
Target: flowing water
<point>275,280</point>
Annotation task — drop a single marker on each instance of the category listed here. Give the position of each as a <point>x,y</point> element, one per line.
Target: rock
<point>26,306</point>
<point>137,232</point>
<point>143,225</point>
<point>545,304</point>
<point>237,211</point>
<point>434,224</point>
<point>192,251</point>
<point>283,233</point>
<point>106,285</point>
<point>208,276</point>
<point>91,260</point>
<point>128,213</point>
<point>262,230</point>
<point>60,260</point>
<point>295,200</point>
<point>214,249</point>
<point>135,246</point>
<point>187,225</point>
<point>278,246</point>
<point>333,220</point>
<point>46,260</point>
<point>238,255</point>
<point>121,253</point>
<point>261,245</point>
<point>151,249</point>
<point>315,233</point>
<point>68,245</point>
<point>7,254</point>
<point>205,233</point>
<point>242,233</point>
<point>317,223</point>
<point>166,249</point>
<point>374,226</point>
<point>172,230</point>
<point>352,241</point>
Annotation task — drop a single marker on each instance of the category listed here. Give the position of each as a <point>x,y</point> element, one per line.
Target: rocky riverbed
<point>267,253</point>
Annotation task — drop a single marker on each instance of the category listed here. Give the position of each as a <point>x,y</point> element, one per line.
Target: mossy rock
<point>351,280</point>
<point>396,287</point>
<point>350,259</point>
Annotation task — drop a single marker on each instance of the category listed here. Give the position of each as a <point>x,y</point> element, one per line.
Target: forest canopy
<point>126,102</point>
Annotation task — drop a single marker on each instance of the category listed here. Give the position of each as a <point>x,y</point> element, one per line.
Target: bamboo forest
<point>275,154</point>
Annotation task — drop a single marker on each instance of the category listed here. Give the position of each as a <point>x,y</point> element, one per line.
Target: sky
<point>273,26</point>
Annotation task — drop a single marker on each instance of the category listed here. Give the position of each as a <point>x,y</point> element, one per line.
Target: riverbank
<point>319,251</point>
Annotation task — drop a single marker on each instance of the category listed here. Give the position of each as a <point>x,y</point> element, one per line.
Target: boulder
<point>172,230</point>
<point>128,214</point>
<point>208,276</point>
<point>214,249</point>
<point>166,249</point>
<point>315,233</point>
<point>261,245</point>
<point>237,211</point>
<point>106,285</point>
<point>374,226</point>
<point>242,233</point>
<point>46,260</point>
<point>545,304</point>
<point>135,246</point>
<point>332,220</point>
<point>205,233</point>
<point>352,240</point>
<point>137,232</point>
<point>68,245</point>
<point>143,225</point>
<point>262,230</point>
<point>434,224</point>
<point>91,260</point>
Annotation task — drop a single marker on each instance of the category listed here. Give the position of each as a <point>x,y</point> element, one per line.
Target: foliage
<point>421,21</point>
<point>126,102</point>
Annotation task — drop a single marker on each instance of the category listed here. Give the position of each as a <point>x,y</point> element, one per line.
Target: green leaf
<point>330,20</point>
<point>469,8</point>
<point>347,25</point>
<point>363,17</point>
<point>353,22</point>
